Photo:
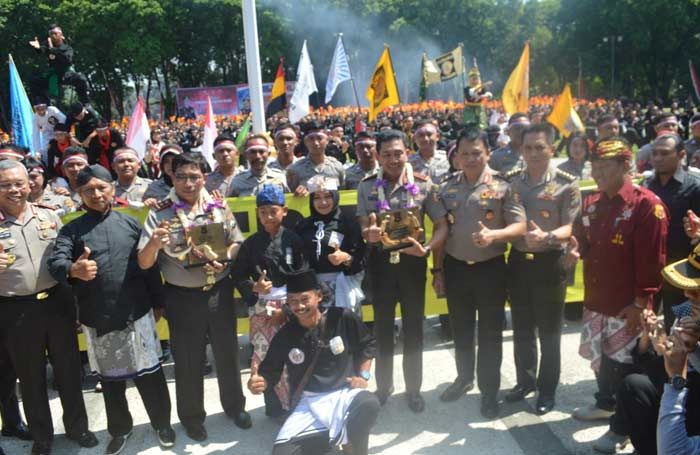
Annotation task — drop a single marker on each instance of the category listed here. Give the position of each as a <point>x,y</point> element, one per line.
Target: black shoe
<point>196,433</point>
<point>518,393</point>
<point>489,408</point>
<point>86,440</point>
<point>20,432</point>
<point>41,448</point>
<point>166,437</point>
<point>456,390</point>
<point>415,401</point>
<point>242,419</point>
<point>2,452</point>
<point>544,405</point>
<point>117,444</point>
<point>383,395</point>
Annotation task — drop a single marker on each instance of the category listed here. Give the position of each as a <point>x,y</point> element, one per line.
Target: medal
<point>11,258</point>
<point>394,257</point>
<point>296,356</point>
<point>450,218</point>
<point>545,214</point>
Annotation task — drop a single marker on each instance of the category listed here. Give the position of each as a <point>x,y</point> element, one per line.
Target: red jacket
<point>623,245</point>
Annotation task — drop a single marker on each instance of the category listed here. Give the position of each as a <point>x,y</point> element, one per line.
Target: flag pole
<point>352,79</point>
<point>252,53</point>
<point>464,71</point>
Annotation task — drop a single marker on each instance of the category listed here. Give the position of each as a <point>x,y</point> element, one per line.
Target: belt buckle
<point>207,287</point>
<point>42,295</point>
<point>471,262</point>
<point>529,257</point>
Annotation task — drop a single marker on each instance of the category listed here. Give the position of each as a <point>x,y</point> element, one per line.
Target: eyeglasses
<point>188,178</point>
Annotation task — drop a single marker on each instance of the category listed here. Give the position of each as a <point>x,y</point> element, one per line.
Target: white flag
<point>339,72</point>
<point>138,132</point>
<point>209,135</point>
<point>306,85</point>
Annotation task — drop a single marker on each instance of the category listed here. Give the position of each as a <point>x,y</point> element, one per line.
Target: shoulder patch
<point>421,177</point>
<point>565,175</point>
<point>449,176</point>
<point>163,204</point>
<point>512,173</point>
<point>370,177</point>
<point>44,206</point>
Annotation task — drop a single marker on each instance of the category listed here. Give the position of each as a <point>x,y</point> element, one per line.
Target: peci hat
<point>302,280</point>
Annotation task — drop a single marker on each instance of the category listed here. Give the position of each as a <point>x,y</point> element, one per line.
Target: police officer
<point>159,189</point>
<point>316,162</point>
<point>536,272</point>
<point>509,157</point>
<point>74,160</point>
<point>366,154</point>
<point>226,156</point>
<point>249,182</point>
<point>428,160</point>
<point>38,313</point>
<point>398,276</point>
<point>286,139</point>
<point>40,193</point>
<point>470,267</point>
<point>199,300</point>
<point>129,185</point>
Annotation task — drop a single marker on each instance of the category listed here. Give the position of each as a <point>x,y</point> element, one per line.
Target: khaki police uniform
<point>403,283</point>
<point>157,190</point>
<point>354,175</point>
<point>38,316</point>
<point>436,167</point>
<point>62,204</point>
<point>133,192</point>
<point>197,308</point>
<point>537,277</point>
<point>505,160</point>
<point>303,170</point>
<point>248,184</point>
<point>475,278</point>
<point>218,181</point>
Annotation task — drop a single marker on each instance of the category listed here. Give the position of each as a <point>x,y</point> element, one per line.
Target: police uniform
<point>133,192</point>
<point>218,181</point>
<point>436,168</point>
<point>248,184</point>
<point>505,160</point>
<point>475,278</point>
<point>157,189</point>
<point>403,282</point>
<point>62,204</point>
<point>537,278</point>
<point>39,316</point>
<point>354,175</point>
<point>75,196</point>
<point>196,306</point>
<point>275,164</point>
<point>301,171</point>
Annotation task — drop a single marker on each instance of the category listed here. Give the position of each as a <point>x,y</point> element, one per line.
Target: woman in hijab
<point>333,245</point>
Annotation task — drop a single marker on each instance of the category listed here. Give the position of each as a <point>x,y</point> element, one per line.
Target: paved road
<point>443,429</point>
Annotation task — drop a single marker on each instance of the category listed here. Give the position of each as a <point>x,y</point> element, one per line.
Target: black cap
<point>313,125</point>
<point>75,108</point>
<point>95,171</point>
<point>61,127</point>
<point>302,281</point>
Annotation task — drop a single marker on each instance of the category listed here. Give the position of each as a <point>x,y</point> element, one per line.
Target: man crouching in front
<point>328,354</point>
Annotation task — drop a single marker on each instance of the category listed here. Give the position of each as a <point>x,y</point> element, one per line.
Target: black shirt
<point>121,292</point>
<point>278,256</point>
<point>87,125</point>
<point>60,57</point>
<point>680,194</point>
<point>331,370</point>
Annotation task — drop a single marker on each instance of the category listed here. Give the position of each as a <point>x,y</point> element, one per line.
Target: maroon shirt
<point>623,244</point>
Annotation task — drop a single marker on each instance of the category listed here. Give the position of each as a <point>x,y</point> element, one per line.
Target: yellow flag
<point>517,90</point>
<point>564,116</point>
<point>382,91</point>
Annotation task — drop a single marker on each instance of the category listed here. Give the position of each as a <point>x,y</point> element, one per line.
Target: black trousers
<point>192,315</point>
<point>362,413</point>
<point>9,407</point>
<point>403,283</point>
<point>154,394</point>
<point>48,325</point>
<point>609,379</point>
<point>472,288</point>
<point>537,293</point>
<point>39,85</point>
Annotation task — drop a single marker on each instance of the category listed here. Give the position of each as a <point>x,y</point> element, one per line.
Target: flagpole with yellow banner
<point>278,97</point>
<point>516,92</point>
<point>564,116</point>
<point>382,91</point>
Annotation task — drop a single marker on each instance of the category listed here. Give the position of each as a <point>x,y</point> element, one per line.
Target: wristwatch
<point>428,249</point>
<point>551,238</point>
<point>678,382</point>
<point>366,375</point>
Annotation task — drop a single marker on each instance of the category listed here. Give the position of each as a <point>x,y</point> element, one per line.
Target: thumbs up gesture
<point>84,268</point>
<point>691,225</point>
<point>572,253</point>
<point>161,235</point>
<point>338,256</point>
<point>535,236</point>
<point>373,233</point>
<point>262,286</point>
<point>256,383</point>
<point>4,259</point>
<point>483,237</point>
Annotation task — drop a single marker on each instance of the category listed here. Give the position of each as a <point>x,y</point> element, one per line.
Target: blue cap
<point>270,195</point>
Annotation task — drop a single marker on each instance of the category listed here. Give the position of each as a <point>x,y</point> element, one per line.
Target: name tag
<point>335,239</point>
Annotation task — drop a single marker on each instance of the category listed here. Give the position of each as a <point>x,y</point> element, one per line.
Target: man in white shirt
<point>45,118</point>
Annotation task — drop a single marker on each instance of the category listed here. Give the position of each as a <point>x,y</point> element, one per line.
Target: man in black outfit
<point>12,425</point>
<point>60,59</point>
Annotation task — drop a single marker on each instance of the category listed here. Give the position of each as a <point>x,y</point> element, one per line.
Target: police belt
<point>31,298</point>
<point>541,257</point>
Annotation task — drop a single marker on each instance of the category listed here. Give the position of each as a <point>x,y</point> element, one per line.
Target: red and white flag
<point>694,79</point>
<point>209,135</point>
<point>139,132</point>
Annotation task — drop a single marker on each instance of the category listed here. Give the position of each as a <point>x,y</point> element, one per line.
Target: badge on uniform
<point>489,215</point>
<point>545,214</point>
<point>5,233</point>
<point>296,356</point>
<point>450,218</point>
<point>659,211</point>
<point>591,208</point>
<point>617,239</point>
<point>337,345</point>
<point>586,221</point>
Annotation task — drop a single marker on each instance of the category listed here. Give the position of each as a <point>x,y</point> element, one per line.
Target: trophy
<point>397,226</point>
<point>208,243</point>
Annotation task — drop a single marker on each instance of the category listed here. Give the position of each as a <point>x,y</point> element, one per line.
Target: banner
<point>382,91</point>
<point>243,95</point>
<point>194,101</point>
<point>451,64</point>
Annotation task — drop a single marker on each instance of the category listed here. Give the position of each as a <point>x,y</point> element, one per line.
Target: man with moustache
<point>607,126</point>
<point>104,141</point>
<point>250,182</point>
<point>286,140</point>
<point>129,185</point>
<point>226,156</point>
<point>316,162</point>
<point>75,159</point>
<point>160,188</point>
<point>509,157</point>
<point>366,154</point>
<point>427,159</point>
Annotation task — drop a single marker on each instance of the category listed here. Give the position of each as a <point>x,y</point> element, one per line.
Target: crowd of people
<point>508,225</point>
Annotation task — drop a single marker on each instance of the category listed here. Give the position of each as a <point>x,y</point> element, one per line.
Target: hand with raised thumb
<point>4,259</point>
<point>535,236</point>
<point>483,237</point>
<point>572,254</point>
<point>262,286</point>
<point>338,256</point>
<point>84,268</point>
<point>256,383</point>
<point>373,232</point>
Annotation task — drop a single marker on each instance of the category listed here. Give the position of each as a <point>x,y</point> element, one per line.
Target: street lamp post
<point>612,39</point>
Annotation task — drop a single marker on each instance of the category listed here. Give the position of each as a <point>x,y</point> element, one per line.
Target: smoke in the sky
<point>364,39</point>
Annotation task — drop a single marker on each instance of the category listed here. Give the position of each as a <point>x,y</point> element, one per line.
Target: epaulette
<point>421,177</point>
<point>370,177</point>
<point>566,176</point>
<point>119,202</point>
<point>43,206</point>
<point>512,173</point>
<point>449,176</point>
<point>163,204</point>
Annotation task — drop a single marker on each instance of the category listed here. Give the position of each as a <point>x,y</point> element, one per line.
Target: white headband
<point>316,133</point>
<point>255,148</point>
<point>11,153</point>
<point>277,134</point>
<point>226,144</point>
<point>123,152</point>
<point>321,183</point>
<point>75,158</point>
<point>366,142</point>
<point>695,123</point>
<point>667,122</point>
